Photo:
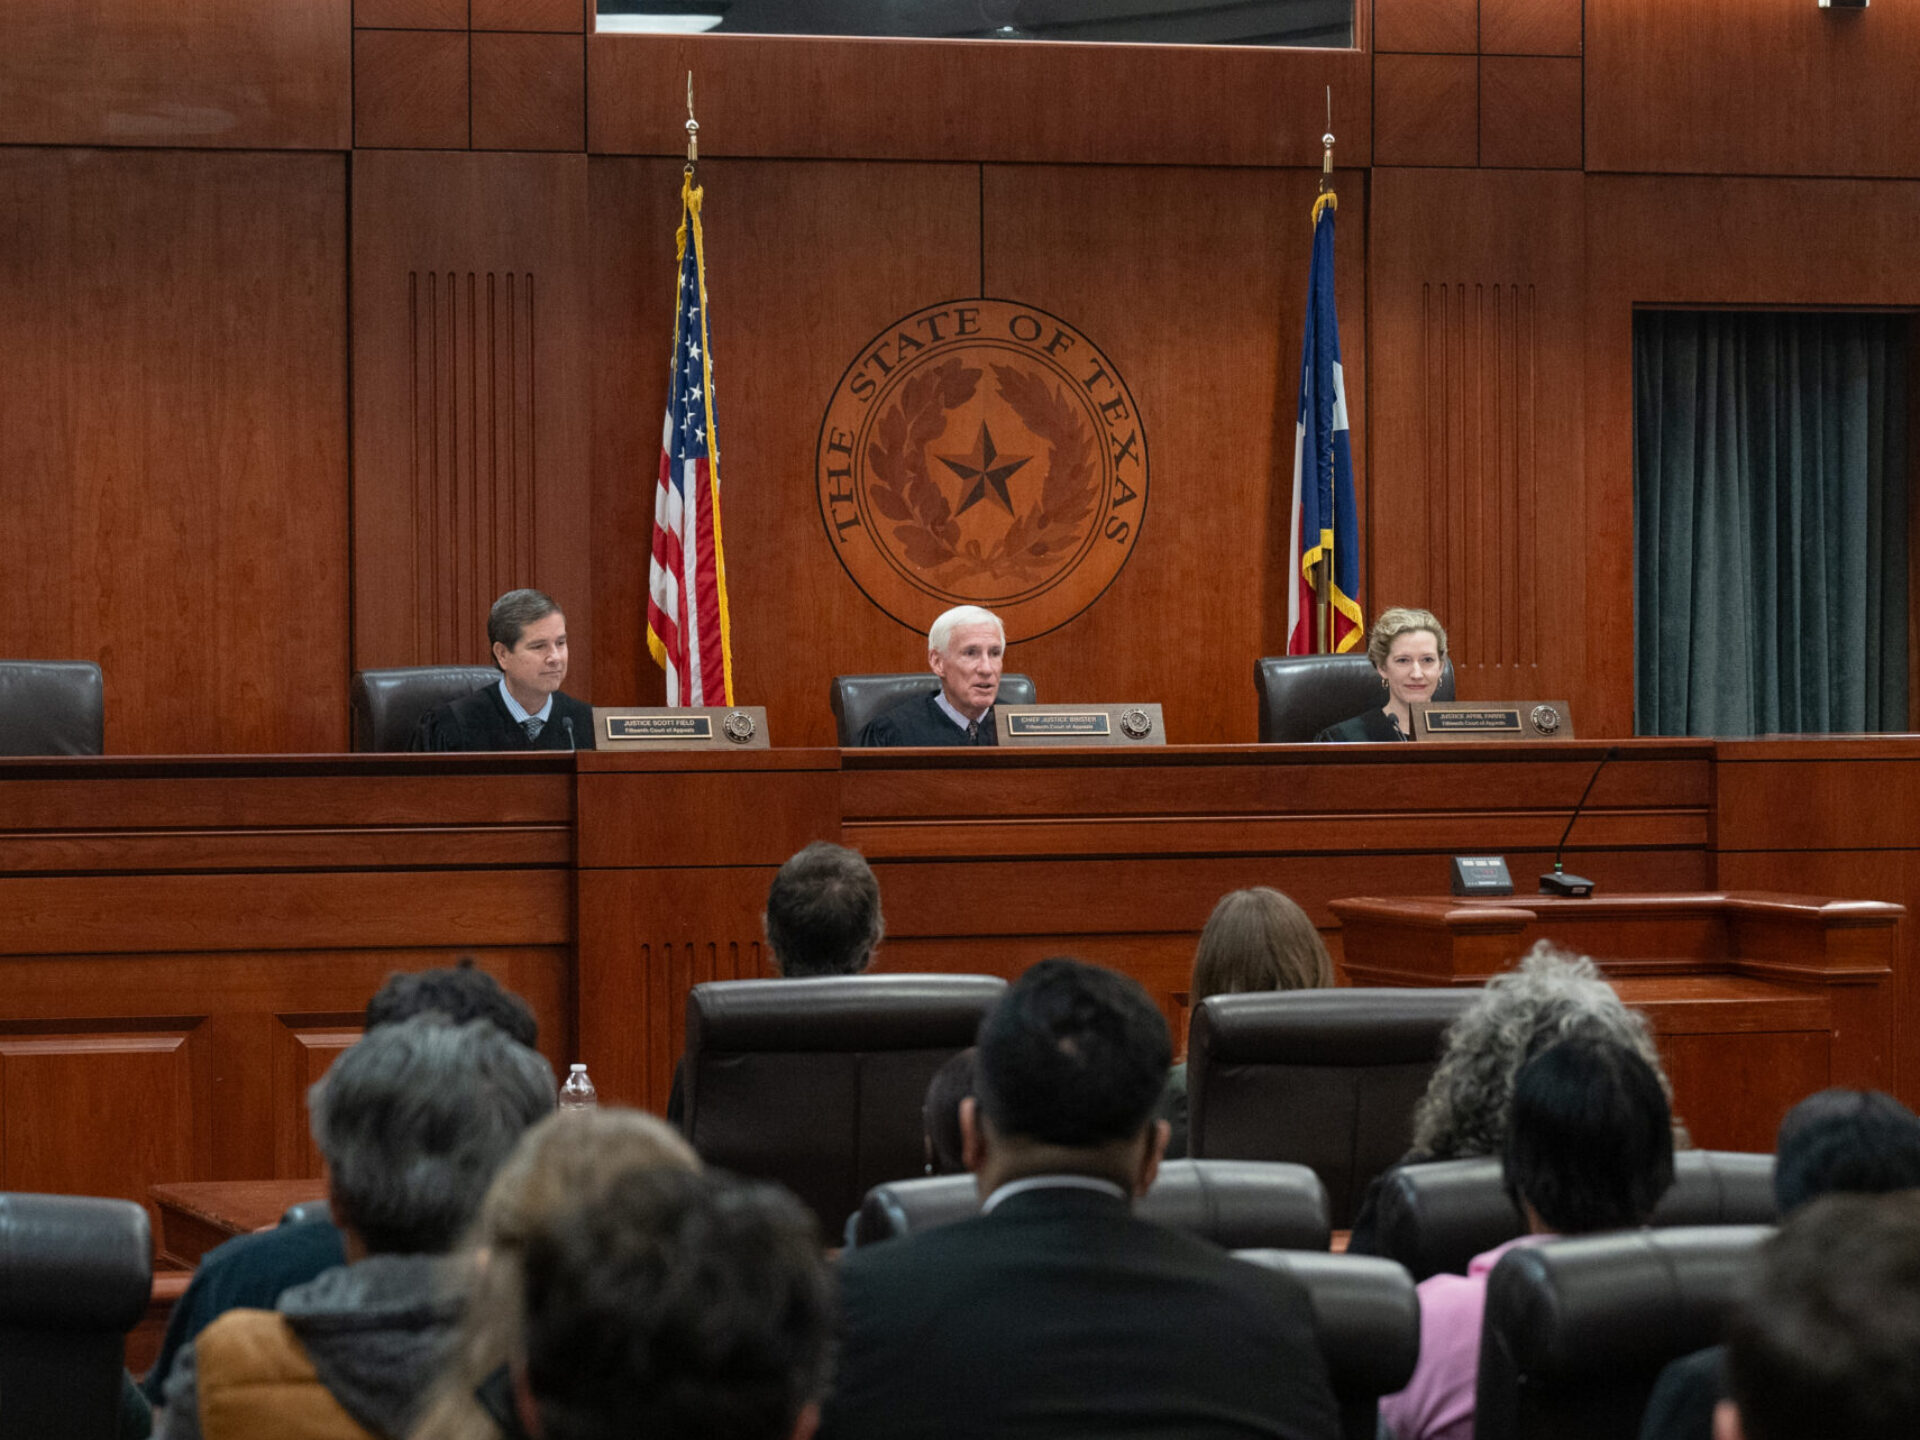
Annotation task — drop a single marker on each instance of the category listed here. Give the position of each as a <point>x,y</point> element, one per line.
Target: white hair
<point>941,635</point>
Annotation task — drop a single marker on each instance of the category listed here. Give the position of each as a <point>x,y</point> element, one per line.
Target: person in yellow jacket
<point>413,1122</point>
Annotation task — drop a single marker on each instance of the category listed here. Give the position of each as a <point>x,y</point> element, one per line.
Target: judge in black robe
<point>921,721</point>
<point>481,721</point>
<point>528,633</point>
<point>965,650</point>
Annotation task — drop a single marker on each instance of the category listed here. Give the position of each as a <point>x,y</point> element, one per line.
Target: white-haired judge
<point>965,649</point>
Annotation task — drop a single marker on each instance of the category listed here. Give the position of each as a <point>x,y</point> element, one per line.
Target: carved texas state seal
<point>982,452</point>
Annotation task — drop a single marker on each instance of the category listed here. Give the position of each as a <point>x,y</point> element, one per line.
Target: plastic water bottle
<point>578,1093</point>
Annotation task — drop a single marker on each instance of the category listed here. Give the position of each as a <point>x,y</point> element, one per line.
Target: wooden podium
<point>1756,999</point>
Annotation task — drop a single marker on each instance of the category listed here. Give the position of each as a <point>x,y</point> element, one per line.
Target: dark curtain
<point>1770,521</point>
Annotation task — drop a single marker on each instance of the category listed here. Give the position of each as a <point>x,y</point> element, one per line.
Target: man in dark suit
<point>526,710</point>
<point>965,650</point>
<point>1056,1312</point>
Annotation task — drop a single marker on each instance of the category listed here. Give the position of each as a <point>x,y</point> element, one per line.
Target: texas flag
<point>1326,526</point>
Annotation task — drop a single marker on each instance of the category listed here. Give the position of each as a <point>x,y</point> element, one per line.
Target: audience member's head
<point>458,993</point>
<point>1257,940</point>
<point>1590,1146</point>
<point>1827,1340</point>
<point>1070,1066</point>
<point>414,1120</point>
<point>1852,1141</point>
<point>940,1114</point>
<point>1549,996</point>
<point>823,913</point>
<point>566,1160</point>
<point>679,1304</point>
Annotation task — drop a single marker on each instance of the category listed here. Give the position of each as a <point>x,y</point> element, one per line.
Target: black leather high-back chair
<point>1577,1331</point>
<point>1325,1078</point>
<point>856,699</point>
<point>1367,1319</point>
<point>52,707</point>
<point>1301,695</point>
<point>1436,1217</point>
<point>388,704</point>
<point>818,1083</point>
<point>1237,1204</point>
<point>75,1276</point>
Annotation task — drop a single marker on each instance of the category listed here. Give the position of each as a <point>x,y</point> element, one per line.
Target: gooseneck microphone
<point>566,724</point>
<point>1557,881</point>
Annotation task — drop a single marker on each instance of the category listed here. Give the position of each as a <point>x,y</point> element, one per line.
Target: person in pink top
<point>1589,1148</point>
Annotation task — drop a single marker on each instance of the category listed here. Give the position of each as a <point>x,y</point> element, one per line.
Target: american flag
<point>1326,525</point>
<point>687,581</point>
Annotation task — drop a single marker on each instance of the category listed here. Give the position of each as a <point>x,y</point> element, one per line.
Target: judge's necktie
<point>533,725</point>
<point>973,732</point>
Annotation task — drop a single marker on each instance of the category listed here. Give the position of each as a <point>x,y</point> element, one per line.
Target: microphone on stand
<point>566,724</point>
<point>1557,881</point>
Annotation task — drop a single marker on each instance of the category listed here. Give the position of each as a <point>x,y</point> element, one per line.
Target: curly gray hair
<point>1549,996</point>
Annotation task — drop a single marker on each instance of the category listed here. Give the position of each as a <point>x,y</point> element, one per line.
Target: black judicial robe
<point>921,721</point>
<point>481,721</point>
<point>1367,725</point>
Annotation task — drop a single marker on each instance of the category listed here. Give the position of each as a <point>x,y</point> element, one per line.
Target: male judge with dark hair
<point>965,650</point>
<point>1057,1311</point>
<point>526,710</point>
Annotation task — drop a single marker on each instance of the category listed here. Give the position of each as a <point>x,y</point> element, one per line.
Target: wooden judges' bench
<point>186,943</point>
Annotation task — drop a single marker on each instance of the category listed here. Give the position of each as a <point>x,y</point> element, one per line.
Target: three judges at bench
<point>527,710</point>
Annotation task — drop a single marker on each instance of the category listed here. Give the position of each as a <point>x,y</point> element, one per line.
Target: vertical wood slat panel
<point>471,426</point>
<point>1478,506</point>
<point>1478,354</point>
<point>473,418</point>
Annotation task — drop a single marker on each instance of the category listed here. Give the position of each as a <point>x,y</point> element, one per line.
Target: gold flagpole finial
<point>1326,144</point>
<point>693,129</point>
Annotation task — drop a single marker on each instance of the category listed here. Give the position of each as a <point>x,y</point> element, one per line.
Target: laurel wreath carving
<point>902,488</point>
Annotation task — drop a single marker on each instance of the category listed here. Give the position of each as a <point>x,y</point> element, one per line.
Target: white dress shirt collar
<point>1051,1182</point>
<point>520,712</point>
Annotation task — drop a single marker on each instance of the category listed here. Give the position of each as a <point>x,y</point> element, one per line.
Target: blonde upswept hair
<point>1400,620</point>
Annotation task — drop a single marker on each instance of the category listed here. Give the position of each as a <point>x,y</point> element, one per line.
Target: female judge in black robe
<point>1409,649</point>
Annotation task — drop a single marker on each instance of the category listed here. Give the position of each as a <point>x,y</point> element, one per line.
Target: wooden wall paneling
<point>1749,242</point>
<point>633,1008</point>
<point>411,89</point>
<point>804,267</point>
<point>471,411</point>
<point>1764,87</point>
<point>1809,815</point>
<point>1732,1090</point>
<point>1426,27</point>
<point>100,1112</point>
<point>1530,112</point>
<point>410,14</point>
<point>258,1027</point>
<point>529,92</point>
<point>1426,109</point>
<point>552,15</point>
<point>302,1053</point>
<point>1477,511</point>
<point>1530,27</point>
<point>1109,251</point>
<point>173,438</point>
<point>227,74</point>
<point>884,99</point>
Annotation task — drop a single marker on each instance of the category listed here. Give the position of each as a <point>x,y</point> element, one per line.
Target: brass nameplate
<point>713,727</point>
<point>1080,725</point>
<point>1510,720</point>
<point>1072,722</point>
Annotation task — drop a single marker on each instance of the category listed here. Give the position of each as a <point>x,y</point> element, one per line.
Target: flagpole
<point>693,130</point>
<point>1323,567</point>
